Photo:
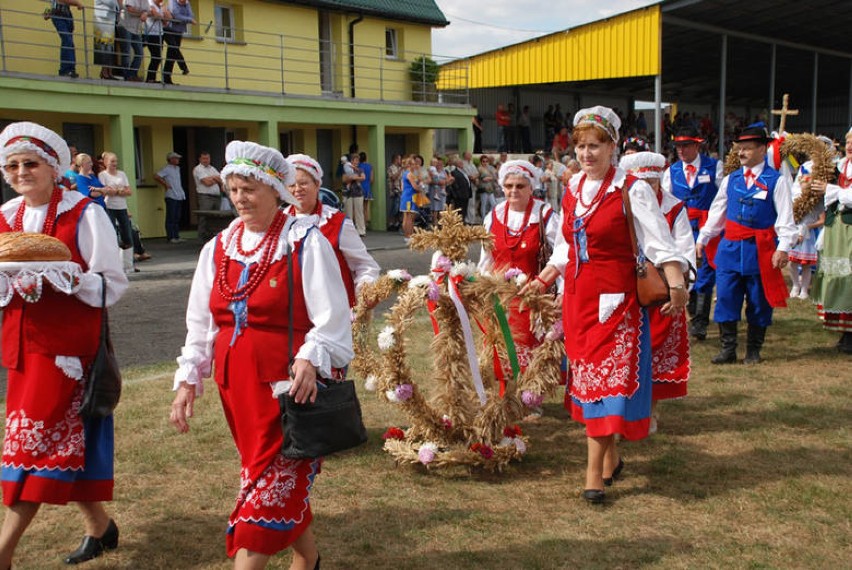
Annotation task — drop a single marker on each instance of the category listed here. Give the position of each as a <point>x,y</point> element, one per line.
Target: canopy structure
<point>719,52</point>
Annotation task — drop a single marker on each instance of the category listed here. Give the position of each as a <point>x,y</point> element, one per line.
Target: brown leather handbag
<point>651,286</point>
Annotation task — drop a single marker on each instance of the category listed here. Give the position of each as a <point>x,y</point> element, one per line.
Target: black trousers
<point>155,47</point>
<point>173,54</point>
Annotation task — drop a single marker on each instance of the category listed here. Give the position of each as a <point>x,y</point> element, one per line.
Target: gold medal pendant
<point>273,282</point>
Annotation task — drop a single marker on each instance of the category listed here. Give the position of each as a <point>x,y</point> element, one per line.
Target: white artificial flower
<point>506,442</point>
<point>429,445</point>
<point>386,339</point>
<point>371,383</point>
<point>463,268</point>
<point>520,445</point>
<point>399,275</point>
<point>391,396</point>
<point>520,279</point>
<point>419,281</point>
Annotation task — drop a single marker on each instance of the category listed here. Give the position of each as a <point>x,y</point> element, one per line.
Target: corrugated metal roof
<point>420,11</point>
<point>627,45</point>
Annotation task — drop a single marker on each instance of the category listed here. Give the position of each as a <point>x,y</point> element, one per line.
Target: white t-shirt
<point>119,180</point>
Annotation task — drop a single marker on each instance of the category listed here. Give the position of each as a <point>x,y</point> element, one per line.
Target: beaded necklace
<point>511,240</point>
<point>592,206</point>
<point>50,217</point>
<point>258,272</point>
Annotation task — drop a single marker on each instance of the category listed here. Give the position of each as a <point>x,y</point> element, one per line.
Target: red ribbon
<point>713,244</point>
<point>774,287</point>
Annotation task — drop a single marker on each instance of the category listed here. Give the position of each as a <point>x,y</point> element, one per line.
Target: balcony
<point>240,60</point>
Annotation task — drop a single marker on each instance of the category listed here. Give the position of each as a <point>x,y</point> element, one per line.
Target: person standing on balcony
<point>169,178</point>
<point>173,31</point>
<point>154,37</point>
<point>106,14</point>
<point>131,26</point>
<point>60,15</point>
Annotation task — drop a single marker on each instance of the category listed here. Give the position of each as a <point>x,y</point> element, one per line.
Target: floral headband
<point>263,167</point>
<point>37,142</point>
<point>599,121</point>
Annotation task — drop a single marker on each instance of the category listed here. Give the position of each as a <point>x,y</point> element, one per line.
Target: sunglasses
<point>13,167</point>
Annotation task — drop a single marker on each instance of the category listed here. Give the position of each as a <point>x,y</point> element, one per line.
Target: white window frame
<point>218,10</point>
<point>392,43</point>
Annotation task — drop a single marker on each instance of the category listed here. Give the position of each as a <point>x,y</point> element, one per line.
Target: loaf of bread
<point>23,246</point>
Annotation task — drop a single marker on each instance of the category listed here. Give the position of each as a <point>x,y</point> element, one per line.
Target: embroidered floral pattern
<point>666,361</point>
<point>614,375</point>
<point>29,443</point>
<point>841,266</point>
<point>277,494</point>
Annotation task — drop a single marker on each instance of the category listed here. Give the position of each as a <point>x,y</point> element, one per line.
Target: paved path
<point>147,325</point>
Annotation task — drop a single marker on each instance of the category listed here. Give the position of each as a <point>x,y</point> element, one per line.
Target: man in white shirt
<point>754,207</point>
<point>209,187</point>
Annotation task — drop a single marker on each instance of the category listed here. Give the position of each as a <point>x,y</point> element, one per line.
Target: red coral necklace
<point>256,274</point>
<point>50,217</point>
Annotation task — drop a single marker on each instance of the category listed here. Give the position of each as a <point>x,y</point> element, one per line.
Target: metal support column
<point>658,112</point>
<point>723,87</point>
<point>772,62</point>
<point>814,94</point>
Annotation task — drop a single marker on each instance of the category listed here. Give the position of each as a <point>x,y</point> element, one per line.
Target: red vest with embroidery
<point>519,251</point>
<point>261,347</point>
<point>331,229</point>
<point>57,324</point>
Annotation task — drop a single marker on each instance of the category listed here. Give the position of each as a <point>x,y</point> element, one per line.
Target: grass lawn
<point>752,470</point>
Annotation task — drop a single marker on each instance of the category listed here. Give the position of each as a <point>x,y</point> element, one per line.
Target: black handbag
<point>103,382</point>
<point>332,423</point>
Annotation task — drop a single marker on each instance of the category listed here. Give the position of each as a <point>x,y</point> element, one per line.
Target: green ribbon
<point>507,336</point>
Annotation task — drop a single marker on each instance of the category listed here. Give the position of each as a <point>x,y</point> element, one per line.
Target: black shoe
<point>316,566</point>
<point>594,496</point>
<point>71,74</point>
<point>185,71</point>
<point>728,340</point>
<point>92,547</point>
<point>608,481</point>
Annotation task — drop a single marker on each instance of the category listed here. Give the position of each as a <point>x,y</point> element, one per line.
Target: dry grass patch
<point>750,471</point>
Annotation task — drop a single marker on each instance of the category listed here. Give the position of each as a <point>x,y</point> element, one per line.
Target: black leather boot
<point>844,345</point>
<point>690,306</point>
<point>754,342</point>
<point>728,340</point>
<point>92,547</point>
<point>701,317</point>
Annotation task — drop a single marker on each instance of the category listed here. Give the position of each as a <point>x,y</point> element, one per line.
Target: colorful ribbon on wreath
<point>464,319</point>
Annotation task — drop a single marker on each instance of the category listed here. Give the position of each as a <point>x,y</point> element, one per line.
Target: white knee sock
<point>806,278</point>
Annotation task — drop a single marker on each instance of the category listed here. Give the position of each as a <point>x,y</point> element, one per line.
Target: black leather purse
<point>333,423</point>
<point>103,382</point>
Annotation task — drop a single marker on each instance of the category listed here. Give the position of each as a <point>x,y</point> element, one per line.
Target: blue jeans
<point>173,213</point>
<point>131,42</point>
<point>123,228</point>
<point>67,57</point>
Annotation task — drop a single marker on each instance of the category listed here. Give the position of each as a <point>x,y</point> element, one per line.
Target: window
<point>391,43</point>
<point>225,22</point>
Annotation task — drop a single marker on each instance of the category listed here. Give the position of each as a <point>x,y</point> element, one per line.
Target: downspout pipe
<point>352,25</point>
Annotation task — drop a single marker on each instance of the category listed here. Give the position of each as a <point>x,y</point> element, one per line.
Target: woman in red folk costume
<point>516,225</point>
<point>50,454</point>
<point>357,266</point>
<point>237,321</point>
<point>607,334</point>
<point>669,334</point>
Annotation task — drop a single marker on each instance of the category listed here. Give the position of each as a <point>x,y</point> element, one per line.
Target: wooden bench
<point>214,220</point>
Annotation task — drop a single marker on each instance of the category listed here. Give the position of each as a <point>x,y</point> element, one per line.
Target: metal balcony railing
<point>238,60</point>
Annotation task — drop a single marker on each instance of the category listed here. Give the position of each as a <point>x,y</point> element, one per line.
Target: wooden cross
<point>450,236</point>
<point>784,111</point>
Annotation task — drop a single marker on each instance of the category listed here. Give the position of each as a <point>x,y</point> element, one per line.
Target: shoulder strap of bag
<point>287,253</point>
<point>103,308</point>
<point>629,212</point>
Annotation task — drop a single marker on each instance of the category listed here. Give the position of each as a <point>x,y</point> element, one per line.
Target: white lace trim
<point>26,278</point>
<point>608,303</point>
<point>836,266</point>
<point>298,229</point>
<point>71,366</point>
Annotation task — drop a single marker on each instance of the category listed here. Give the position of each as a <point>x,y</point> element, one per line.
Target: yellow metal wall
<point>623,46</point>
